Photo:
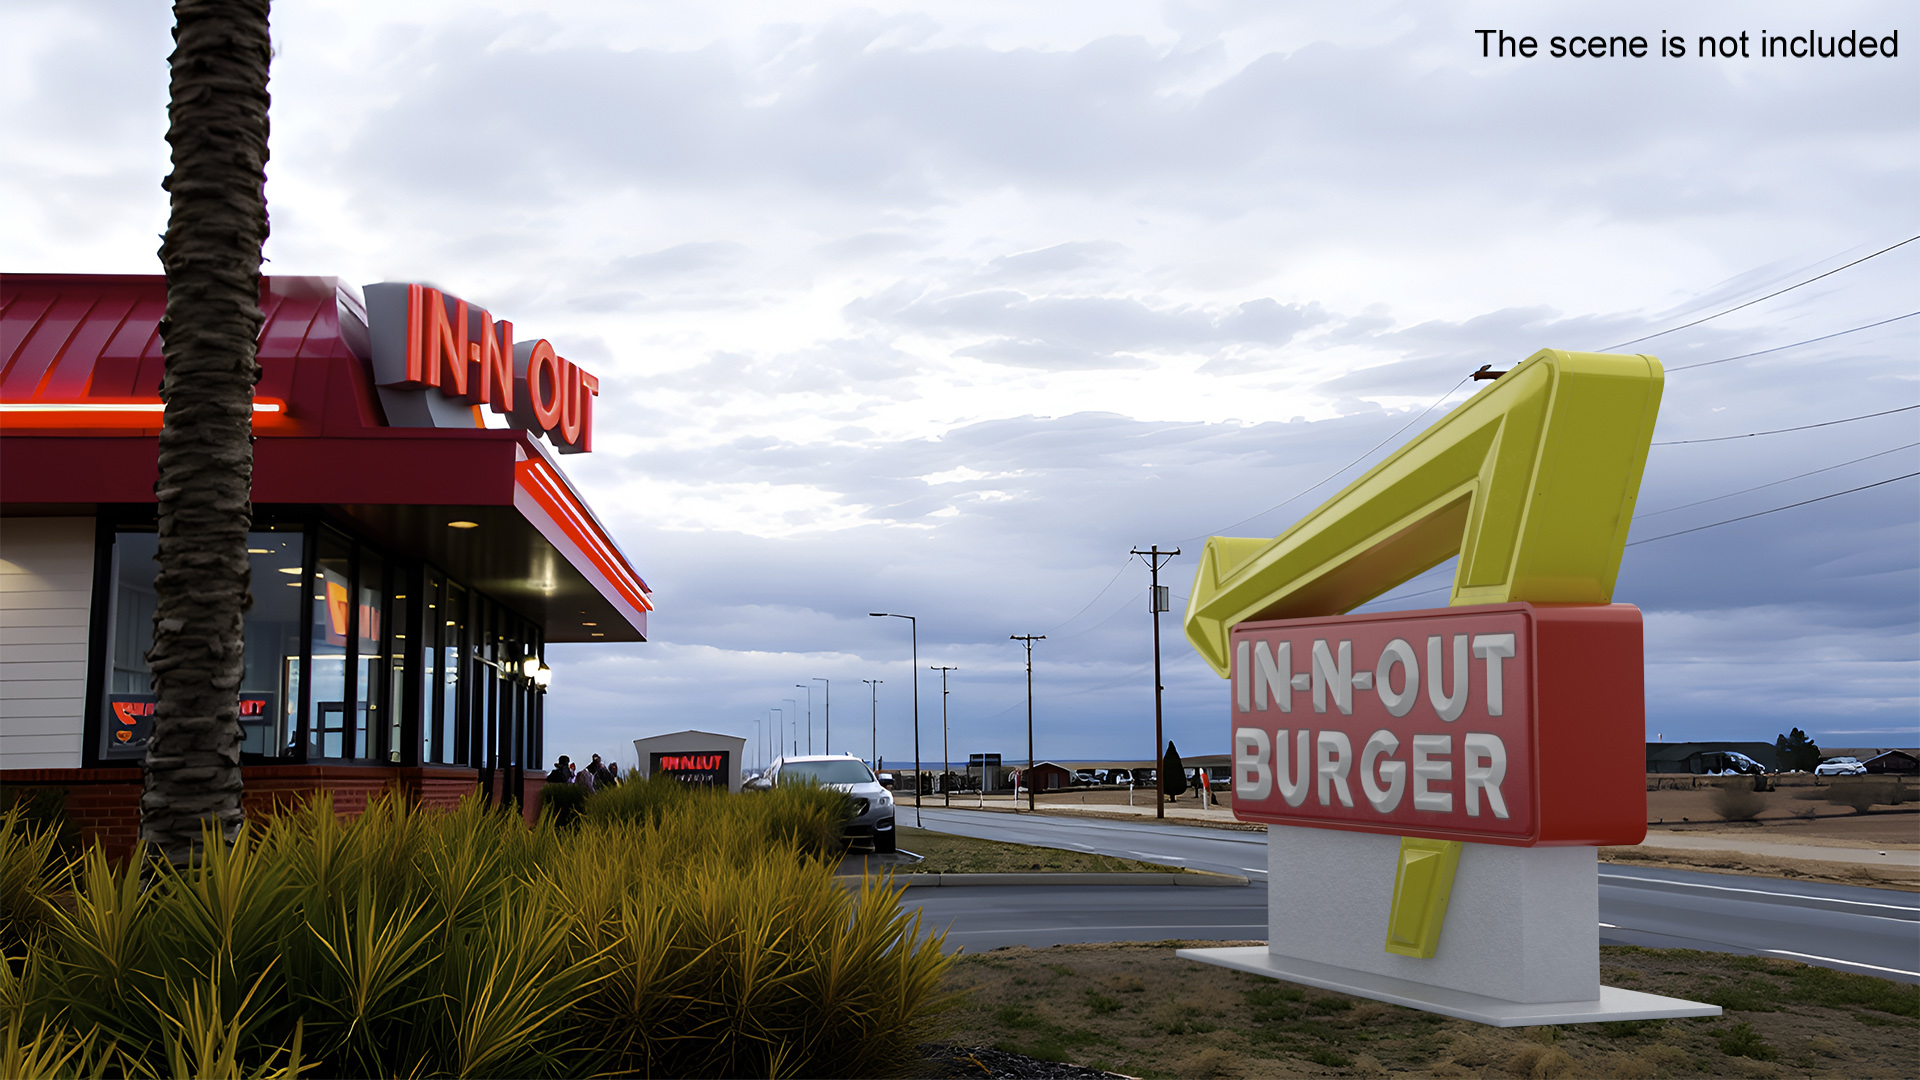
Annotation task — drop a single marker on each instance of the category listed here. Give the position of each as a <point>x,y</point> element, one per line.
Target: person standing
<point>562,771</point>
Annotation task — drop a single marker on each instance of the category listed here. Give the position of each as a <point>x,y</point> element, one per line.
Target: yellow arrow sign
<point>1532,483</point>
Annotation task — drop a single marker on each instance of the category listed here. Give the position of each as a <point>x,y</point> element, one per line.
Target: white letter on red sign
<point>1252,768</point>
<point>1335,757</point>
<point>1449,706</point>
<point>1292,782</point>
<point>1491,647</point>
<point>1397,652</point>
<point>1427,770</point>
<point>1475,748</point>
<point>1393,772</point>
<point>1326,673</point>
<point>1272,672</point>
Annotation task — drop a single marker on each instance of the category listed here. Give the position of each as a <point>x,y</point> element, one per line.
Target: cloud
<point>944,310</point>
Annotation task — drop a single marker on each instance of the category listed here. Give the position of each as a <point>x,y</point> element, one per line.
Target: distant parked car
<point>1735,763</point>
<point>1085,776</point>
<point>1840,766</point>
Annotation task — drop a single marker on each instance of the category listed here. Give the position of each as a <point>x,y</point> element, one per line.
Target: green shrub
<point>641,800</point>
<point>1742,1041</point>
<point>563,802</point>
<point>416,942</point>
<point>29,866</point>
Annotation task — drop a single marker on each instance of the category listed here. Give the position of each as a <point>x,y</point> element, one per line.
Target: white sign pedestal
<point>1520,944</point>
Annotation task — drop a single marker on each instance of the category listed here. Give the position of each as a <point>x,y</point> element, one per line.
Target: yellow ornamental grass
<point>703,935</point>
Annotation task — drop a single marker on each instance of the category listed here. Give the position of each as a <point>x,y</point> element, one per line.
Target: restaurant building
<point>415,545</point>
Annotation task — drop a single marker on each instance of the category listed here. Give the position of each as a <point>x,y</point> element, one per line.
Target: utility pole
<point>946,754</point>
<point>1158,601</point>
<point>874,750</point>
<point>915,624</point>
<point>827,692</point>
<point>1028,640</point>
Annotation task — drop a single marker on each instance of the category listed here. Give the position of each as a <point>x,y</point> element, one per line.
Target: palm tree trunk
<point>211,252</point>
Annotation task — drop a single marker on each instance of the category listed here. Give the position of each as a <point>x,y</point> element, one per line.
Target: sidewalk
<point>1745,844</point>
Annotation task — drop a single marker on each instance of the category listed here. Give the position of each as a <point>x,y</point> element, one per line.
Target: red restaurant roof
<point>80,412</point>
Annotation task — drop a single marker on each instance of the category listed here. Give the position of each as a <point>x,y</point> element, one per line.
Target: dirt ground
<point>1138,1010</point>
<point>1797,809</point>
<point>1747,863</point>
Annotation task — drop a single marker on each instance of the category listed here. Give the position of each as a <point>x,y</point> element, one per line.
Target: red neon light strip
<point>116,413</point>
<point>536,479</point>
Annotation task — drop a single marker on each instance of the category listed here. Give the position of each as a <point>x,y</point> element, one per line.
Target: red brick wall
<point>104,803</point>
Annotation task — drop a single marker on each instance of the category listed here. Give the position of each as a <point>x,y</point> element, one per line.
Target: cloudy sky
<point>941,308</point>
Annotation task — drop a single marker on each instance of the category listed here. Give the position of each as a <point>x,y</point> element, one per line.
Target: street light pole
<point>776,730</point>
<point>808,687</point>
<point>1157,603</point>
<point>915,624</point>
<point>874,719</point>
<point>946,753</point>
<point>1028,640</point>
<point>827,692</point>
<point>793,724</point>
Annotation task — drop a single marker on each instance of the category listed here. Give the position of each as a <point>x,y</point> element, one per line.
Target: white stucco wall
<point>46,595</point>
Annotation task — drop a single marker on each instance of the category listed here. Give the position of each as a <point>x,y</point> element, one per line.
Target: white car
<point>872,803</point>
<point>1840,766</point>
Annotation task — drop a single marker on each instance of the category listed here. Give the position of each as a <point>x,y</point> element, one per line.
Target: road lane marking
<point>1760,892</point>
<point>1849,963</point>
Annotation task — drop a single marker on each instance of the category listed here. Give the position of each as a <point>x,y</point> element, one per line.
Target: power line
<point>1096,596</point>
<point>1757,299</point>
<point>1341,469</point>
<point>1775,510</point>
<point>1802,427</point>
<point>1775,483</point>
<point>1795,345</point>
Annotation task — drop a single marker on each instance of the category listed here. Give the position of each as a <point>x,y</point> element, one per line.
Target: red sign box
<point>1498,724</point>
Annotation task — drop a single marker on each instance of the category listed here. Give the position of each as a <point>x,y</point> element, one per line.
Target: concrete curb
<point>1190,879</point>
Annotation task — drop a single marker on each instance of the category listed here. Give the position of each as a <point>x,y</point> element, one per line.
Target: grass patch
<point>1261,1027</point>
<point>947,853</point>
<point>1742,1041</point>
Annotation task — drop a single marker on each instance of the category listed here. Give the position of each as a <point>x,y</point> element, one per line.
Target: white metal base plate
<point>1613,1003</point>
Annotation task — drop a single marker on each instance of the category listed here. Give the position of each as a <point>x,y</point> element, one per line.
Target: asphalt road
<point>1871,931</point>
<point>1220,850</point>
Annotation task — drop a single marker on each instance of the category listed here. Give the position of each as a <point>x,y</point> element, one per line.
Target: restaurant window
<point>329,730</point>
<point>269,686</point>
<point>369,655</point>
<point>442,737</point>
<point>400,627</point>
